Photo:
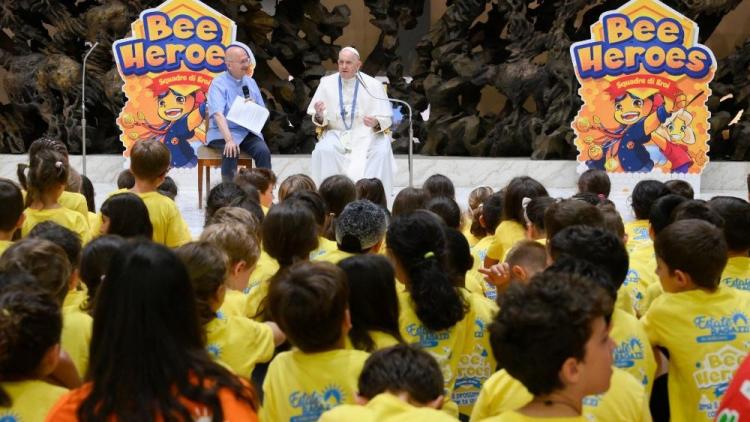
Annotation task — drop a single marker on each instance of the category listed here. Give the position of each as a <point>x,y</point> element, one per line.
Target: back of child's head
<point>42,259</point>
<point>447,209</point>
<point>373,304</point>
<point>458,258</point>
<point>612,220</point>
<point>543,324</point>
<point>695,247</point>
<point>571,212</point>
<point>476,202</point>
<point>308,300</point>
<point>289,233</point>
<point>63,237</point>
<point>314,202</point>
<point>257,177</point>
<point>492,211</point>
<point>95,260</point>
<point>409,199</point>
<point>337,191</point>
<point>206,265</point>
<point>596,245</point>
<point>168,188</point>
<point>534,212</point>
<point>238,216</point>
<point>438,185</point>
<point>529,255</point>
<point>360,226</point>
<point>644,194</point>
<point>680,187</point>
<point>12,200</point>
<point>697,209</point>
<point>149,159</point>
<point>402,369</point>
<point>296,183</point>
<point>236,241</point>
<point>372,189</point>
<point>736,215</point>
<point>48,171</point>
<point>87,190</point>
<point>252,206</point>
<point>225,194</point>
<point>594,181</point>
<point>589,197</point>
<point>125,180</point>
<point>662,211</point>
<point>42,144</point>
<point>517,189</point>
<point>417,242</point>
<point>128,216</point>
<point>596,273</point>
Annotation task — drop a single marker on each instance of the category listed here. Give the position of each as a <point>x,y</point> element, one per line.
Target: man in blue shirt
<point>228,136</point>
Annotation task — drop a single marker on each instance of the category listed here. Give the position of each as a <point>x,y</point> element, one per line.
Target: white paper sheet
<point>247,114</point>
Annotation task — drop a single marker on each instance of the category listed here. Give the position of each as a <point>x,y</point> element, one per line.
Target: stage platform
<point>559,176</point>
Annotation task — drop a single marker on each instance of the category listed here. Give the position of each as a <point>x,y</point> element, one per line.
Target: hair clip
<point>429,254</point>
<point>525,203</point>
<point>58,164</point>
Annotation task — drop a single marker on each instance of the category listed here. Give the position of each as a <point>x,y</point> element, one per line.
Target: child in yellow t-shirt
<point>645,193</point>
<point>489,218</point>
<point>309,302</point>
<point>373,303</point>
<point>315,203</point>
<point>125,214</point>
<point>262,179</point>
<point>736,215</point>
<point>702,324</point>
<point>534,210</point>
<point>400,383</point>
<point>48,174</point>
<point>30,326</point>
<point>472,227</point>
<point>360,229</point>
<point>11,213</point>
<point>337,191</point>
<point>236,341</point>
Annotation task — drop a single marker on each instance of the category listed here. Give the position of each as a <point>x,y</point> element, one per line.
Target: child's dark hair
<point>225,194</point>
<point>12,200</point>
<point>63,237</point>
<point>695,247</point>
<point>289,233</point>
<point>612,220</point>
<point>595,181</point>
<point>373,303</point>
<point>697,209</point>
<point>125,180</point>
<point>417,240</point>
<point>314,202</point>
<point>87,190</point>
<point>42,259</point>
<point>95,260</point>
<point>309,301</point>
<point>409,199</point>
<point>458,258</point>
<point>596,273</point>
<point>680,187</point>
<point>149,159</point>
<point>128,216</point>
<point>360,226</point>
<point>48,171</point>
<point>589,197</point>
<point>259,178</point>
<point>30,324</point>
<point>476,202</point>
<point>644,195</point>
<point>296,183</point>
<point>438,185</point>
<point>544,323</point>
<point>596,245</point>
<point>447,209</point>
<point>736,215</point>
<point>401,369</point>
<point>662,211</point>
<point>42,144</point>
<point>206,266</point>
<point>519,188</point>
<point>571,212</point>
<point>168,188</point>
<point>535,210</point>
<point>337,191</point>
<point>372,189</point>
<point>492,211</point>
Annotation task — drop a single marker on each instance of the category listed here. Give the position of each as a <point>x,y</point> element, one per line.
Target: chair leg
<point>208,179</point>
<point>200,185</point>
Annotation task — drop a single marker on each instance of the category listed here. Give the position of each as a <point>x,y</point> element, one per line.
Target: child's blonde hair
<point>235,240</point>
<point>685,116</point>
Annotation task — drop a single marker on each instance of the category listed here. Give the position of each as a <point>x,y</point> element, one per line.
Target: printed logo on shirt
<point>728,415</point>
<point>737,283</point>
<point>631,278</point>
<point>213,349</point>
<point>479,332</point>
<point>722,329</point>
<point>473,370</point>
<point>627,352</point>
<point>250,286</point>
<point>640,233</point>
<point>490,292</point>
<point>592,401</point>
<point>9,416</point>
<point>313,404</point>
<point>715,372</point>
<point>427,338</point>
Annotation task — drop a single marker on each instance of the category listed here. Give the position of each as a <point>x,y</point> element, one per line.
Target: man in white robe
<point>355,124</point>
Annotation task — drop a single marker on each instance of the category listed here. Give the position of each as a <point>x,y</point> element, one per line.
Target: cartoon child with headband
<point>673,137</point>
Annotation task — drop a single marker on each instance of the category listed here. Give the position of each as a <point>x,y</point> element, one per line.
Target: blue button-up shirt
<point>221,94</point>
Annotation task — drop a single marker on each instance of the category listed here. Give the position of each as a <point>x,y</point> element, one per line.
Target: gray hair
<point>360,226</point>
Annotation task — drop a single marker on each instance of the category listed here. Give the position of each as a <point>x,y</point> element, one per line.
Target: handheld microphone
<point>246,92</point>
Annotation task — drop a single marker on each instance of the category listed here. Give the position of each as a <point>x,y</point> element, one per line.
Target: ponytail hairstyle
<point>30,324</point>
<point>519,188</point>
<point>476,201</point>
<point>42,144</point>
<point>48,170</point>
<point>417,242</point>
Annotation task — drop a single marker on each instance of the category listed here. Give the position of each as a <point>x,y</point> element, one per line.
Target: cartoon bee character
<point>673,137</point>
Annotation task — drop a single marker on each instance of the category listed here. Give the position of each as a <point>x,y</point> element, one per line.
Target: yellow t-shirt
<point>4,244</point>
<point>445,346</point>
<point>475,282</point>
<point>235,304</point>
<point>324,246</point>
<point>334,256</point>
<point>506,235</point>
<point>737,273</point>
<point>74,201</point>
<point>76,336</point>
<point>626,400</point>
<point>169,227</point>
<point>76,298</point>
<point>380,338</point>
<point>67,218</point>
<point>95,222</point>
<point>301,386</point>
<point>476,362</point>
<point>633,352</point>
<point>652,292</point>
<point>513,416</point>
<point>257,285</point>
<point>32,399</point>
<point>641,274</point>
<point>637,232</point>
<point>239,342</point>
<point>384,407</point>
<point>265,209</point>
<point>707,336</point>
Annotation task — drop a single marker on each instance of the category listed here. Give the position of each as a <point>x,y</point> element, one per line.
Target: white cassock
<point>357,151</point>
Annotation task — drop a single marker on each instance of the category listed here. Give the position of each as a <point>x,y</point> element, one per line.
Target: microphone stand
<point>411,130</point>
<point>83,104</point>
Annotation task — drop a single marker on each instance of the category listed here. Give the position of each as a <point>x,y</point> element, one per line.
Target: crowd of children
<point>327,305</point>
